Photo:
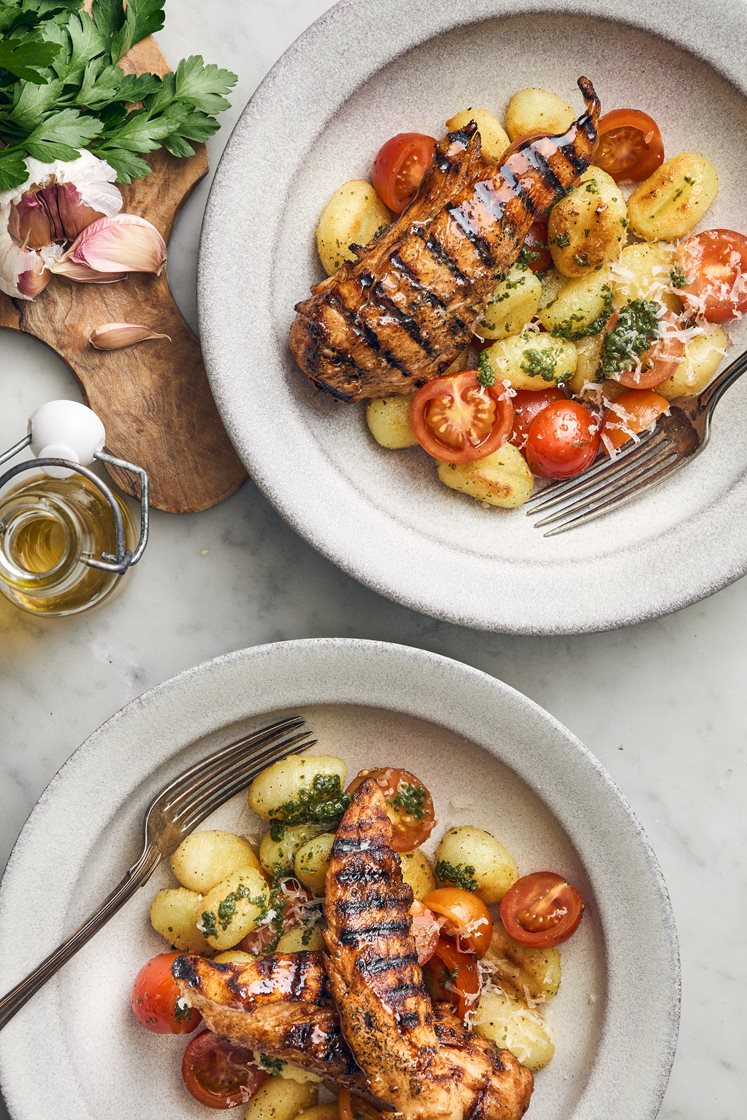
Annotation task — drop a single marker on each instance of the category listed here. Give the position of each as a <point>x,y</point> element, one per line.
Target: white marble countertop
<point>662,704</point>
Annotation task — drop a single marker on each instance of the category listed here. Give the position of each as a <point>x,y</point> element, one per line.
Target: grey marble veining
<point>662,705</point>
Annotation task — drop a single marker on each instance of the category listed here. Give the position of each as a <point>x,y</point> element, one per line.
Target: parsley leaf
<point>27,60</point>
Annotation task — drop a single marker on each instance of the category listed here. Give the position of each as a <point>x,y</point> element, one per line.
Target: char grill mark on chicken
<point>385,1011</point>
<point>401,313</point>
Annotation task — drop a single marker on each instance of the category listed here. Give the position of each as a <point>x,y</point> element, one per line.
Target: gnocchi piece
<point>277,856</point>
<point>587,228</point>
<point>588,353</point>
<point>300,938</point>
<point>552,284</point>
<point>174,913</point>
<point>701,359</point>
<point>279,1099</point>
<point>532,360</point>
<point>537,110</point>
<point>672,201</point>
<point>417,872</point>
<point>204,858</point>
<point>492,133</point>
<point>321,1112</point>
<point>513,303</point>
<point>234,956</point>
<point>279,790</point>
<point>644,271</point>
<point>520,970</point>
<point>513,1026</point>
<point>233,907</point>
<point>389,422</point>
<point>502,479</point>
<point>352,216</point>
<point>471,858</point>
<point>312,861</point>
<point>579,307</point>
<point>291,1072</point>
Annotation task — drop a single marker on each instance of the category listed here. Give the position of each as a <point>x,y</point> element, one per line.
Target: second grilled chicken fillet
<point>385,1011</point>
<point>401,313</point>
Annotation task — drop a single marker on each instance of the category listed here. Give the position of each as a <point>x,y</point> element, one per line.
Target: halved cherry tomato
<point>528,404</point>
<point>563,440</point>
<point>541,910</point>
<point>457,420</point>
<point>452,977</point>
<point>425,930</point>
<point>630,145</point>
<point>155,999</point>
<point>353,1108</point>
<point>467,918</point>
<point>631,413</point>
<point>399,168</point>
<point>658,362</point>
<point>408,803</point>
<point>535,243</point>
<point>218,1073</point>
<point>715,264</point>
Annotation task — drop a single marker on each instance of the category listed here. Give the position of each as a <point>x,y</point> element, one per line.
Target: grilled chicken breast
<point>282,1006</point>
<point>401,313</point>
<point>385,1011</point>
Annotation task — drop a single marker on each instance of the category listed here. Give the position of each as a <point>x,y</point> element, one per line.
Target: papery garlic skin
<point>22,271</point>
<point>124,243</point>
<point>117,336</point>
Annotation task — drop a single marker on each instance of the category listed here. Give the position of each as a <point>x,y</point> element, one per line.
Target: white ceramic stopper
<point>65,430</point>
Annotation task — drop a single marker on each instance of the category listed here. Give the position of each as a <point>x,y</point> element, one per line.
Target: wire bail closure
<point>124,558</point>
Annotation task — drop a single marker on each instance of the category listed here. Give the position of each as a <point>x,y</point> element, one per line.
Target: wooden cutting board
<point>154,399</point>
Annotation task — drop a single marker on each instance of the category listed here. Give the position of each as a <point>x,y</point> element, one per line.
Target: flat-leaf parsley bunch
<point>61,89</point>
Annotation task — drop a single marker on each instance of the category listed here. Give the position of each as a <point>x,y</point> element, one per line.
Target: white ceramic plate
<point>368,69</point>
<point>489,755</point>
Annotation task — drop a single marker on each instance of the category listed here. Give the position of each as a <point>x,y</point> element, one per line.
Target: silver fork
<point>678,438</point>
<point>173,813</point>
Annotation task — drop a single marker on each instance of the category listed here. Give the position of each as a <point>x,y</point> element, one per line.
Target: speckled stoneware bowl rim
<point>641,1009</point>
<point>587,593</point>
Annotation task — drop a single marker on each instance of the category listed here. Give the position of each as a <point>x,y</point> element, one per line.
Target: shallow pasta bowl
<point>363,72</point>
<point>521,775</point>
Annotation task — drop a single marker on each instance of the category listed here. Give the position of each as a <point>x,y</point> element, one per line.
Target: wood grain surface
<point>154,399</point>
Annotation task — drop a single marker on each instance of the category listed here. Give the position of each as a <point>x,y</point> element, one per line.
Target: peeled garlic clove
<point>124,243</point>
<point>115,336</point>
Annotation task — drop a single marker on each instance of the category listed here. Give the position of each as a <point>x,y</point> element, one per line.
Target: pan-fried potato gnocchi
<point>513,303</point>
<point>672,201</point>
<point>352,216</point>
<point>579,307</point>
<point>471,858</point>
<point>174,913</point>
<point>418,873</point>
<point>513,1026</point>
<point>312,860</point>
<point>389,422</point>
<point>294,789</point>
<point>531,360</point>
<point>644,271</point>
<point>537,110</point>
<point>301,939</point>
<point>234,956</point>
<point>206,857</point>
<point>277,856</point>
<point>233,907</point>
<point>521,971</point>
<point>321,1112</point>
<point>703,355</point>
<point>279,1099</point>
<point>502,479</point>
<point>492,133</point>
<point>588,352</point>
<point>587,228</point>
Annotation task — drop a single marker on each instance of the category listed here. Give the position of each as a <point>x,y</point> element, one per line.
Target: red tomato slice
<point>219,1074</point>
<point>715,264</point>
<point>452,977</point>
<point>563,440</point>
<point>155,999</point>
<point>541,910</point>
<point>658,362</point>
<point>528,404</point>
<point>631,413</point>
<point>467,918</point>
<point>457,420</point>
<point>426,931</point>
<point>408,803</point>
<point>630,145</point>
<point>400,167</point>
<point>535,243</point>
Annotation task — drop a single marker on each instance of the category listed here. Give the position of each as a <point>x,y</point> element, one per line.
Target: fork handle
<point>137,875</point>
<point>710,397</point>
